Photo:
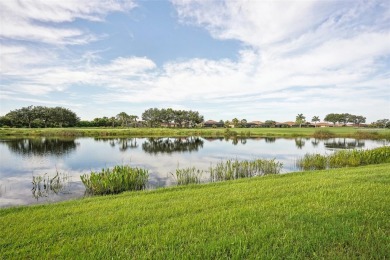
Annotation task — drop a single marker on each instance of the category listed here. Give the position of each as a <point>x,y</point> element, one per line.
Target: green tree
<point>359,120</point>
<point>334,118</point>
<point>64,117</point>
<point>383,122</point>
<point>123,118</point>
<point>315,119</point>
<point>300,119</point>
<point>5,121</point>
<point>113,121</point>
<point>235,122</point>
<point>243,122</point>
<point>152,117</point>
<point>45,114</point>
<point>344,118</point>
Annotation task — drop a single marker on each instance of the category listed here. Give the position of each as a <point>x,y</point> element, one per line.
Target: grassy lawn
<point>206,132</point>
<point>334,214</point>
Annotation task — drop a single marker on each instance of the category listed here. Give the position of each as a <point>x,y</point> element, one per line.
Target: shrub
<point>323,134</point>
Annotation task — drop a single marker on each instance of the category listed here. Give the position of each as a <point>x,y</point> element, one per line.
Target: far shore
<point>319,132</point>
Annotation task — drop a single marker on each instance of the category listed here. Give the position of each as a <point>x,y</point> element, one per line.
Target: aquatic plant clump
<point>312,162</point>
<point>115,180</point>
<point>188,176</point>
<point>351,158</point>
<point>234,169</point>
<point>344,158</point>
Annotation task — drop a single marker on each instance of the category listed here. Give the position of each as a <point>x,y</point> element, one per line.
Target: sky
<point>254,60</point>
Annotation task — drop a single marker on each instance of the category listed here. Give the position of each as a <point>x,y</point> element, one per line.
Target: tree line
<point>40,116</point>
<point>152,117</point>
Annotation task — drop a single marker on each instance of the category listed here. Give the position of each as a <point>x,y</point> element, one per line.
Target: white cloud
<point>37,20</point>
<point>298,55</point>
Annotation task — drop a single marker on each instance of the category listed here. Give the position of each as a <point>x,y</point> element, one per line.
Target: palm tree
<point>300,119</point>
<point>315,119</point>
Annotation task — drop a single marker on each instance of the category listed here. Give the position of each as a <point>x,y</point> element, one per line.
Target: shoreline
<point>321,133</point>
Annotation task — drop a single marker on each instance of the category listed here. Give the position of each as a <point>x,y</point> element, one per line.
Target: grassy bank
<point>341,213</point>
<point>205,132</point>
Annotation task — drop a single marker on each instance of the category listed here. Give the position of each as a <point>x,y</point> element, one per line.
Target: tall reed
<point>115,180</point>
<point>188,176</point>
<point>234,169</point>
<point>44,185</point>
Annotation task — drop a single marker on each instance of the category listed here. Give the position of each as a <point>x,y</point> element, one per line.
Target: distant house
<point>324,124</point>
<point>281,125</point>
<point>254,124</point>
<point>290,123</point>
<point>212,123</point>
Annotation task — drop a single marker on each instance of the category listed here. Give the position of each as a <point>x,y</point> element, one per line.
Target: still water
<point>43,170</point>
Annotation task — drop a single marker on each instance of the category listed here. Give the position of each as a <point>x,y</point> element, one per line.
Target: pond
<point>43,170</point>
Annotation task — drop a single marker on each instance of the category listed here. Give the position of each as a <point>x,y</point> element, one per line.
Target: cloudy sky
<point>256,60</point>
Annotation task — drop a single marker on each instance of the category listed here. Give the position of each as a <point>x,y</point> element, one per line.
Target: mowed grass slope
<point>340,213</point>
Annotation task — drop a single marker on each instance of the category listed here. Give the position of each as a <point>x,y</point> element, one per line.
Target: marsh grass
<point>188,176</point>
<point>43,185</point>
<point>115,180</point>
<point>351,158</point>
<point>323,134</point>
<point>312,162</point>
<point>234,169</point>
<point>344,158</point>
<point>367,135</point>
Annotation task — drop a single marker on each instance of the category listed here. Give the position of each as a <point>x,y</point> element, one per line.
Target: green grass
<point>344,158</point>
<point>332,214</point>
<point>206,132</point>
<point>116,180</point>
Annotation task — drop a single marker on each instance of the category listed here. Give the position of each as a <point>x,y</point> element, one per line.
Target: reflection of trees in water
<point>170,145</point>
<point>235,140</point>
<point>344,143</point>
<point>299,143</point>
<point>270,139</point>
<point>315,142</point>
<point>123,143</point>
<point>42,146</point>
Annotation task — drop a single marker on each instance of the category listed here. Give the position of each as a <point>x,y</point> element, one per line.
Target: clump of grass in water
<point>312,162</point>
<point>188,176</point>
<point>234,169</point>
<point>44,185</point>
<point>353,158</point>
<point>116,180</point>
<point>344,158</point>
